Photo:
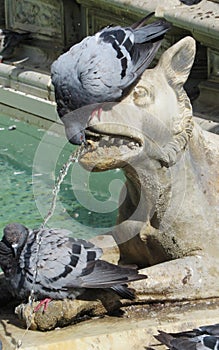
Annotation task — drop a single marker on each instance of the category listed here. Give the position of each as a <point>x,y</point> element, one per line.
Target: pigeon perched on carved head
<point>104,67</point>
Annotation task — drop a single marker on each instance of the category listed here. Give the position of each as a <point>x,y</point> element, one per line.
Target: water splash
<point>62,174</point>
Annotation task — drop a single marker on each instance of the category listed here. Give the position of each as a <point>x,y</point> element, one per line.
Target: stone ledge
<point>202,19</point>
<point>28,103</point>
<point>179,15</point>
<point>115,333</point>
<point>27,80</point>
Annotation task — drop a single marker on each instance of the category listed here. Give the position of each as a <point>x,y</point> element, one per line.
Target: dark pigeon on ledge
<point>103,67</point>
<point>202,338</point>
<point>190,2</point>
<point>66,266</point>
<point>9,40</point>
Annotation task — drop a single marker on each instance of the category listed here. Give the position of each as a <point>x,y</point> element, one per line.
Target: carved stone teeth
<point>102,142</point>
<point>107,141</point>
<point>119,142</point>
<point>126,142</point>
<point>132,144</point>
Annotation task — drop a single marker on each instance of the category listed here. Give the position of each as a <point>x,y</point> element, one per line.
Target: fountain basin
<point>134,331</point>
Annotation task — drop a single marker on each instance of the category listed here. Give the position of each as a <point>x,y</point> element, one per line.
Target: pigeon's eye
<point>143,96</point>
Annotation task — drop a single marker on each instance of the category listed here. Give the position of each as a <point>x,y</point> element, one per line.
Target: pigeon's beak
<point>15,247</point>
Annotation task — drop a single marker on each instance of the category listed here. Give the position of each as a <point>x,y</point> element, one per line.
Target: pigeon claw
<point>45,302</point>
<point>96,113</point>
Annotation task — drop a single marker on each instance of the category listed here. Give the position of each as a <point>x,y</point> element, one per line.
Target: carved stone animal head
<point>154,120</point>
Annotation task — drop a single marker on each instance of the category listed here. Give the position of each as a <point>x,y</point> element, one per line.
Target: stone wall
<point>57,24</point>
<point>54,24</point>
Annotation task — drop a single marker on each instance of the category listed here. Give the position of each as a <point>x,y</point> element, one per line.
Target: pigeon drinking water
<point>103,67</point>
<point>65,266</point>
<point>75,123</point>
<point>9,40</point>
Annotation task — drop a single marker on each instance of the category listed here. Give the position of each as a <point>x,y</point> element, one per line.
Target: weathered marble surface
<point>168,223</point>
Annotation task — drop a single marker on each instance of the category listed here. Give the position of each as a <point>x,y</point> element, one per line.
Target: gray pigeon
<point>9,40</point>
<point>103,67</point>
<point>66,266</point>
<point>202,338</point>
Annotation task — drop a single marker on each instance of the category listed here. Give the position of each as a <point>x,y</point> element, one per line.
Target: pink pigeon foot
<point>45,302</point>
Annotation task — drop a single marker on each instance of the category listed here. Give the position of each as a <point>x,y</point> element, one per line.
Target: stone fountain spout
<point>168,221</point>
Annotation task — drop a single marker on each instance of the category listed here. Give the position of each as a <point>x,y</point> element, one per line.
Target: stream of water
<point>20,203</point>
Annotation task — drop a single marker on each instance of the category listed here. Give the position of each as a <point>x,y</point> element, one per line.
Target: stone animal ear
<point>177,61</point>
<point>175,64</point>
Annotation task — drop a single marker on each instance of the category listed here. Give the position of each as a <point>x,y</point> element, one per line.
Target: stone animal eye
<point>142,95</point>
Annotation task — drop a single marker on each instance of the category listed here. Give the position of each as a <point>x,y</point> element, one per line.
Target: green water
<point>30,161</point>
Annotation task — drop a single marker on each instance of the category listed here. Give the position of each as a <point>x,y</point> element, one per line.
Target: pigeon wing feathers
<point>103,275</point>
<point>126,51</point>
<point>5,257</point>
<point>60,257</point>
<point>106,84</point>
<point>184,343</point>
<point>142,21</point>
<point>203,342</point>
<point>209,342</point>
<point>124,291</point>
<point>211,329</point>
<point>175,343</point>
<point>151,31</point>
